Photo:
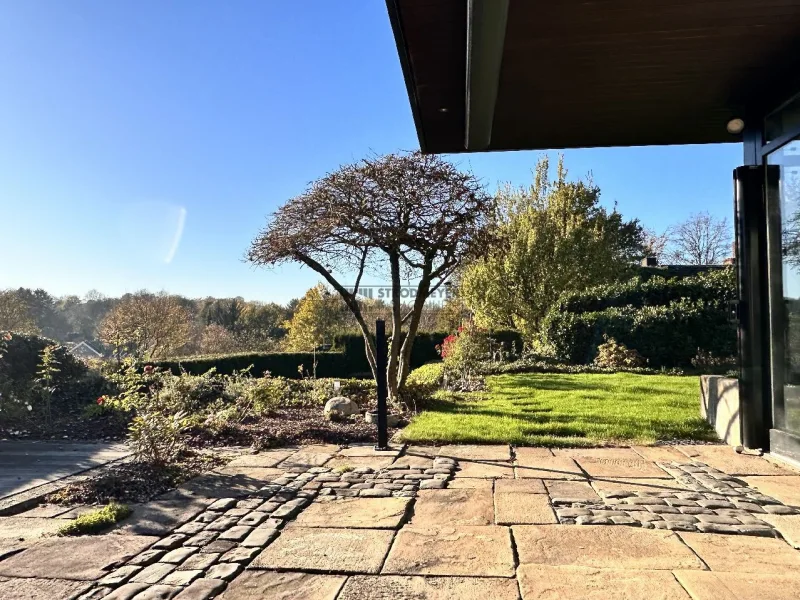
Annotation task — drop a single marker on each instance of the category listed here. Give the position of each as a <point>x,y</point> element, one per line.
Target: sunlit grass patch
<point>547,409</point>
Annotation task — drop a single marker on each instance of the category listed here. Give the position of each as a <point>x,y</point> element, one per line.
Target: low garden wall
<point>719,405</point>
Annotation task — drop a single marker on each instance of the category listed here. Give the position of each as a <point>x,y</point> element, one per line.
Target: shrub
<point>96,521</point>
<point>422,383</point>
<point>463,353</point>
<point>431,375</point>
<point>613,355</point>
<point>38,378</point>
<point>708,363</point>
<point>155,433</point>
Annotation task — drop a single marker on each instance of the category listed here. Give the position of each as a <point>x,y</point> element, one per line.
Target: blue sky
<point>142,144</point>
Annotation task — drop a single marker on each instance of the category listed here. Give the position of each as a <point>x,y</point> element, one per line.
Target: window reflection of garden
<point>789,159</point>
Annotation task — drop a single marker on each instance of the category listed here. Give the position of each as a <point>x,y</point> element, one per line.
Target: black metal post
<point>751,259</point>
<point>380,360</point>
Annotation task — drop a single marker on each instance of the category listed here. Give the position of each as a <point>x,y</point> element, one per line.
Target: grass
<point>547,409</point>
<point>95,521</point>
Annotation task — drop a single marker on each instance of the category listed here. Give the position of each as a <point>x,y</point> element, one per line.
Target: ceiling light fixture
<point>735,126</point>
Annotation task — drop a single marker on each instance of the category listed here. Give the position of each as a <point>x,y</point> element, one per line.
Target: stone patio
<point>456,522</point>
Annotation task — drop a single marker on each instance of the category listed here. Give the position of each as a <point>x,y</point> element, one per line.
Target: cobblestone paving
<point>198,559</point>
<point>716,503</point>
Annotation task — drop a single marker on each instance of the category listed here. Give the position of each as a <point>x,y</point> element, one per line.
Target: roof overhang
<point>517,74</point>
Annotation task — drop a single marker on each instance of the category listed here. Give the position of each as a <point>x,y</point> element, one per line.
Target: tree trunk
<point>423,289</point>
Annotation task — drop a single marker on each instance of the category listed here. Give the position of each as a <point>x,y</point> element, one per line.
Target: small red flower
<point>148,369</point>
<point>101,400</point>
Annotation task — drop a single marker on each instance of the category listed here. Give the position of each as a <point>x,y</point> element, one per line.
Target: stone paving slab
<point>478,551</point>
<point>46,511</point>
<point>620,467</point>
<point>744,554</point>
<point>576,491</point>
<point>264,459</point>
<point>726,459</point>
<point>307,458</point>
<point>472,483</point>
<point>18,529</point>
<point>602,547</point>
<point>358,513</point>
<point>785,488</point>
<point>40,589</point>
<point>160,517</point>
<point>260,474</point>
<point>581,583</point>
<point>390,587</point>
<point>513,508</point>
<point>327,549</point>
<point>660,453</point>
<point>598,453</point>
<point>534,465</point>
<point>83,558</point>
<point>495,453</point>
<point>453,507</point>
<point>710,585</point>
<point>484,470</point>
<point>787,525</point>
<point>283,586</point>
<point>519,486</point>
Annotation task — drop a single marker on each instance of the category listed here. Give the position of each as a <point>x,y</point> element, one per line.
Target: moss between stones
<point>96,521</point>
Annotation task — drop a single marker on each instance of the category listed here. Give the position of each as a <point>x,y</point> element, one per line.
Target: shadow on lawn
<point>594,387</point>
<point>542,422</point>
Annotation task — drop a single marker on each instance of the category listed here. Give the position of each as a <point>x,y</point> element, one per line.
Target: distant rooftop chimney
<point>649,261</point>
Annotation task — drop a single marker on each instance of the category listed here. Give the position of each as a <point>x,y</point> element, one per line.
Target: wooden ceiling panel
<point>581,73</point>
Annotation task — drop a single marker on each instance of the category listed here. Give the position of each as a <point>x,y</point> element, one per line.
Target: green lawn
<point>545,409</point>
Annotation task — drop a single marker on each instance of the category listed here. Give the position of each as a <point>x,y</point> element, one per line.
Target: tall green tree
<point>317,319</point>
<point>550,238</point>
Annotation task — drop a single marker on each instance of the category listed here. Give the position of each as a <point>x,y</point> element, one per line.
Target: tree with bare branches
<point>416,216</point>
<point>700,240</point>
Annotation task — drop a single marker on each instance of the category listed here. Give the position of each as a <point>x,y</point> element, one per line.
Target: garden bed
<point>134,482</point>
<point>290,426</point>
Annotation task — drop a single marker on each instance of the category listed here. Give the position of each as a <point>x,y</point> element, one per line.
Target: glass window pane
<point>787,158</point>
<point>782,121</point>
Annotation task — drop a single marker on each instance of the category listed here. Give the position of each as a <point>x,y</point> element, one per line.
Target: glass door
<point>783,210</point>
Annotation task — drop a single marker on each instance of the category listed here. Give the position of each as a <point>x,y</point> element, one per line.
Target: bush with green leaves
<point>156,430</point>
<point>40,379</point>
<point>463,353</point>
<point>668,334</point>
<point>96,521</point>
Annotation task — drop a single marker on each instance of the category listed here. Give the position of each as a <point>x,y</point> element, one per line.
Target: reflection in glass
<point>787,159</point>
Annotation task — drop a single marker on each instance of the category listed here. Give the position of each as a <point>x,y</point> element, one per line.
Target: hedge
<point>716,287</point>
<point>665,320</point>
<point>349,359</point>
<point>668,336</point>
<point>22,357</point>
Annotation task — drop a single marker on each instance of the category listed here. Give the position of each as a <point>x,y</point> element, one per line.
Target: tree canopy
<point>551,237</point>
<point>412,217</point>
